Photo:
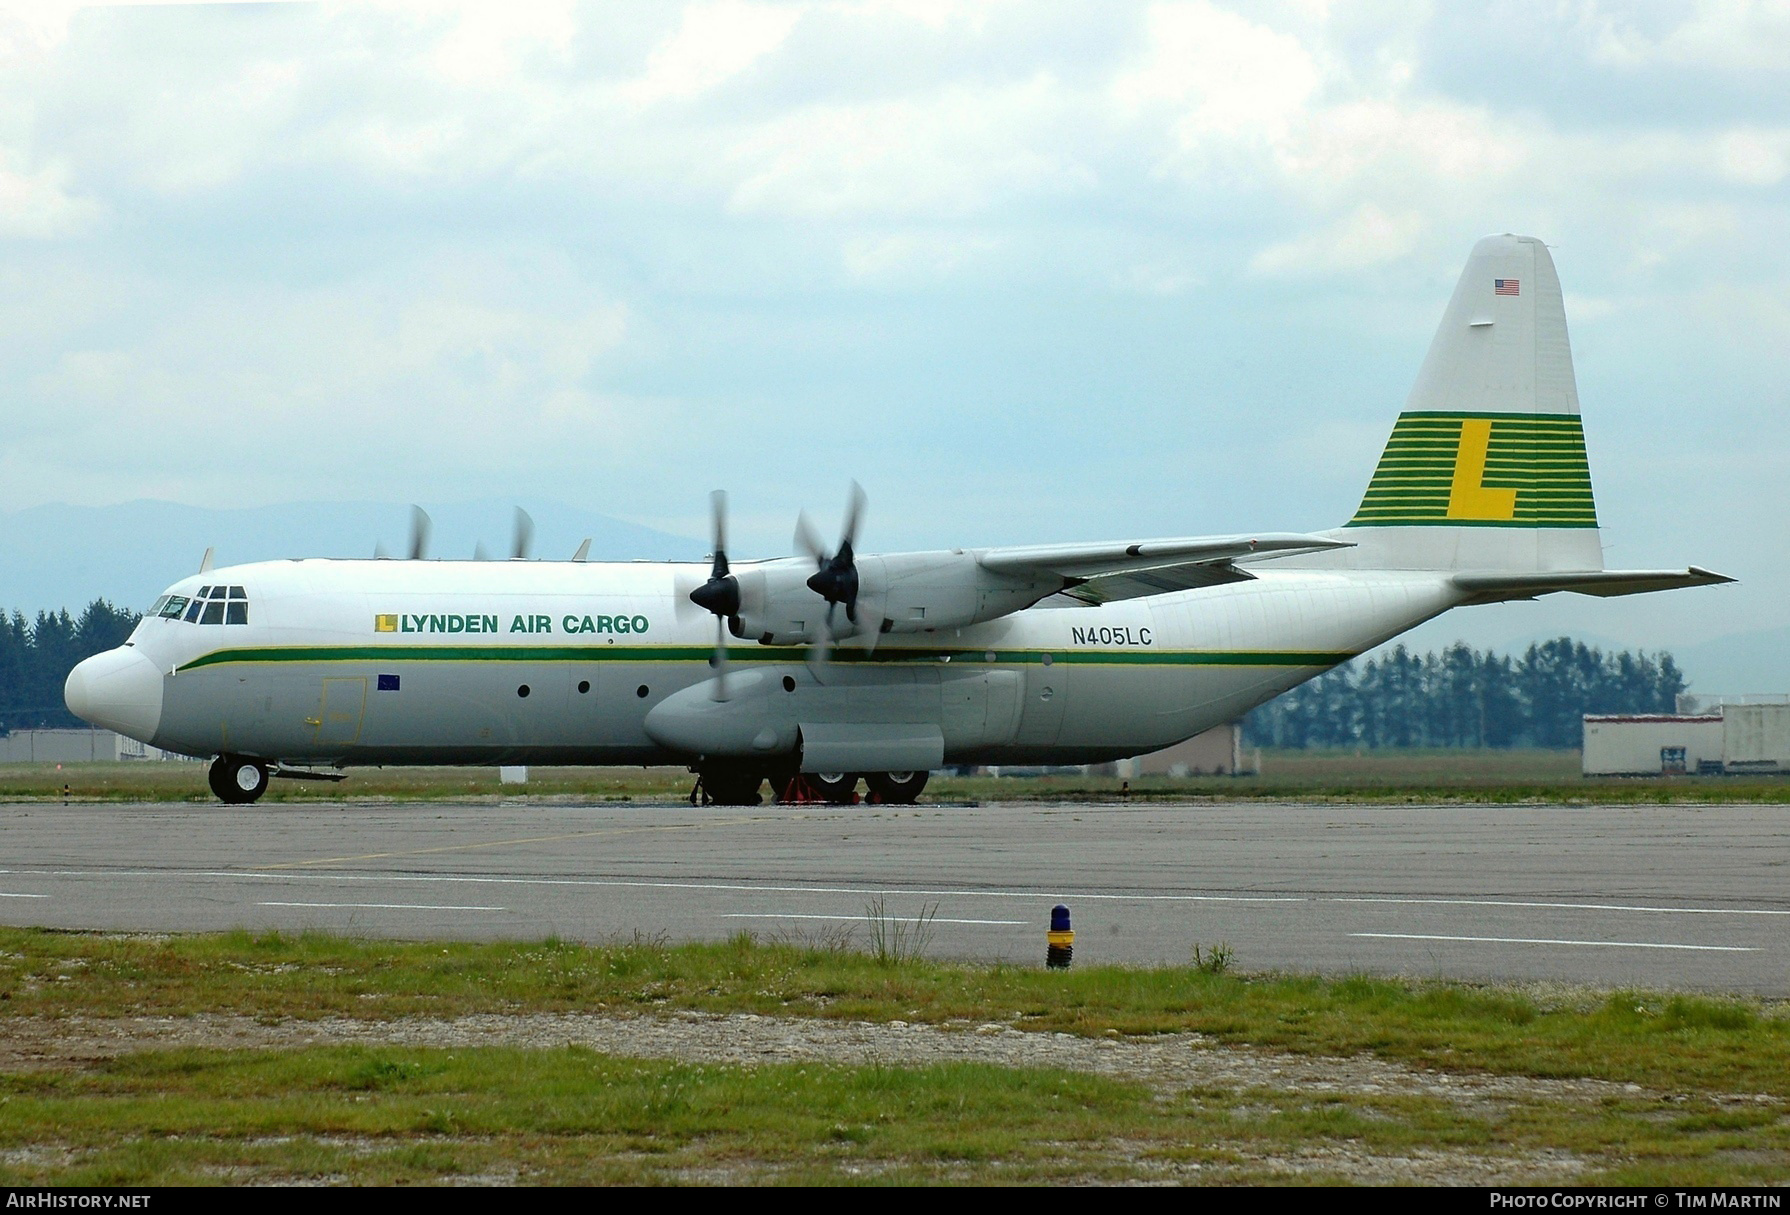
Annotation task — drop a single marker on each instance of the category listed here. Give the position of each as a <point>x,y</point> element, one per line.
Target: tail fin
<point>1486,467</point>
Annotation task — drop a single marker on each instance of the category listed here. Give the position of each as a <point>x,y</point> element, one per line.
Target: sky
<point>1029,272</point>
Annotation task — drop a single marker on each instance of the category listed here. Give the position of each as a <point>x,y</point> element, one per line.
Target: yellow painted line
<point>526,839</point>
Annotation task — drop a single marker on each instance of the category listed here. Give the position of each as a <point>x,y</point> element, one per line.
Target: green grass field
<point>1695,1090</point>
<point>1379,776</point>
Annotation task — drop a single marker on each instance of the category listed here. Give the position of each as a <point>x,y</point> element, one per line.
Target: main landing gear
<point>737,785</point>
<point>237,780</point>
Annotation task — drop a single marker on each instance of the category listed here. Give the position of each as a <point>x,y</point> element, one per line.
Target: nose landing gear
<point>237,780</point>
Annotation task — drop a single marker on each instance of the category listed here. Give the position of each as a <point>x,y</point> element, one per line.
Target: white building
<point>74,747</point>
<point>1732,735</point>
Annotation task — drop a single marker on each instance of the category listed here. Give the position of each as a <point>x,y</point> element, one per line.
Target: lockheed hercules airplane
<point>835,667</point>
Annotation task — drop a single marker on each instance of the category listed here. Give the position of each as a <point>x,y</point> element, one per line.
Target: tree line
<point>37,655</point>
<point>1465,698</point>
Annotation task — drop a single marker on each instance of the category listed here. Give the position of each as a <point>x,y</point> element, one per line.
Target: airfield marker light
<point>1060,940</point>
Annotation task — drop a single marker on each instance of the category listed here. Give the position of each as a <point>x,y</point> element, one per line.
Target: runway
<point>1694,897</point>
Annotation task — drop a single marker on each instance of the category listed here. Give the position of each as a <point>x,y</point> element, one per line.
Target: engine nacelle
<point>923,592</point>
<point>908,593</point>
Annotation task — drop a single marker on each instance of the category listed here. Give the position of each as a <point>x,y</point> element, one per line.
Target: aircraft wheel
<point>238,781</point>
<point>836,788</point>
<point>896,788</point>
<point>731,786</point>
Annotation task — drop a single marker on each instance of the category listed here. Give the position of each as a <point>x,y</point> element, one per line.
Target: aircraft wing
<point>1495,588</point>
<point>1111,570</point>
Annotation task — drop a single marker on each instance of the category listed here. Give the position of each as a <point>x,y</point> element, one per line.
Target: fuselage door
<point>344,704</point>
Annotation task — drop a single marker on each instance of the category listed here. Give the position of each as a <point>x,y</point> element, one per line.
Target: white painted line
<point>1414,936</point>
<point>23,896</point>
<point>790,915</point>
<point>302,875</point>
<point>311,875</point>
<point>387,906</point>
<point>1560,906</point>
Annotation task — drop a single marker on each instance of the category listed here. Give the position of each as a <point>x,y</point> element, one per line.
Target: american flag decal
<point>1506,286</point>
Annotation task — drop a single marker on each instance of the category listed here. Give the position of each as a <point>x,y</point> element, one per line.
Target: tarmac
<point>1672,897</point>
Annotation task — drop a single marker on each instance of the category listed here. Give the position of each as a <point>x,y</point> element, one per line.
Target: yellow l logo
<point>385,624</point>
<point>1468,497</point>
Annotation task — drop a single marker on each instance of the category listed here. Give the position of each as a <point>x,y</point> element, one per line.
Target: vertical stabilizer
<point>1486,467</point>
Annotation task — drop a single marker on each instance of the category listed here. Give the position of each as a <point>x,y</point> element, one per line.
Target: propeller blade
<point>524,536</point>
<point>419,533</point>
<point>870,628</point>
<point>721,593</point>
<point>718,530</point>
<point>821,652</point>
<point>720,659</point>
<point>854,514</point>
<point>808,540</point>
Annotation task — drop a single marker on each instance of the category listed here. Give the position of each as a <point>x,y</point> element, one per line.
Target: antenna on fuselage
<point>524,536</point>
<point>205,561</point>
<point>583,553</point>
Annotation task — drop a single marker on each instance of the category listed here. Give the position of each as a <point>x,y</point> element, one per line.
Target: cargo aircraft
<point>832,667</point>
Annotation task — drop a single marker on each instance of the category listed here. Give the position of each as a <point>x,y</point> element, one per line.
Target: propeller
<point>419,533</point>
<point>836,578</point>
<point>524,536</point>
<point>721,593</point>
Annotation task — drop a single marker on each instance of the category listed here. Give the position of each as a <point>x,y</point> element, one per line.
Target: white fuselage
<point>393,662</point>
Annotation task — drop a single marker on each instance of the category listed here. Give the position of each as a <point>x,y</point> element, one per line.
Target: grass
<point>384,1116</point>
<point>1371,776</point>
<point>389,1114</point>
<point>1667,1042</point>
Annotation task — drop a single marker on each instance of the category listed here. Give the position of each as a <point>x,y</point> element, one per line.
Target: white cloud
<point>1734,35</point>
<point>1225,76</point>
<point>716,42</point>
<point>1365,237</point>
<point>36,205</point>
<point>962,151</point>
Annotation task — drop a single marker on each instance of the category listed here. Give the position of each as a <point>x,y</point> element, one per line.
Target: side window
<point>236,612</point>
<point>192,613</point>
<point>214,612</point>
<point>175,605</point>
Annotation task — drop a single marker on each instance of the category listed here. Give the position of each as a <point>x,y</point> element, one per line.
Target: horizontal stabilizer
<point>1495,588</point>
<point>1084,561</point>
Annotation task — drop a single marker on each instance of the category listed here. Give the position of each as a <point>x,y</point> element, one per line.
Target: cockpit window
<point>210,605</point>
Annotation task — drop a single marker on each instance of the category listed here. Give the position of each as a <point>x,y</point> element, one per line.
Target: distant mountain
<point>67,556</point>
<point>1739,663</point>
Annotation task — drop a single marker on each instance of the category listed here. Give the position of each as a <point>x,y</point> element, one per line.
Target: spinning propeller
<point>836,579</point>
<point>720,594</point>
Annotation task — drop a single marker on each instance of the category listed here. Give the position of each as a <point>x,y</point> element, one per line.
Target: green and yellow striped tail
<point>1481,470</point>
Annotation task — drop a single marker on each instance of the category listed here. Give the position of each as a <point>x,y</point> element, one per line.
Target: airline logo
<point>533,624</point>
<point>1481,470</point>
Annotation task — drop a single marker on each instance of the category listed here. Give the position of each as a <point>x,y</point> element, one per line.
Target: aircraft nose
<point>119,690</point>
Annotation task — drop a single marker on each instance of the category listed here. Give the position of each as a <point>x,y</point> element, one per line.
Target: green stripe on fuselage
<point>693,654</point>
